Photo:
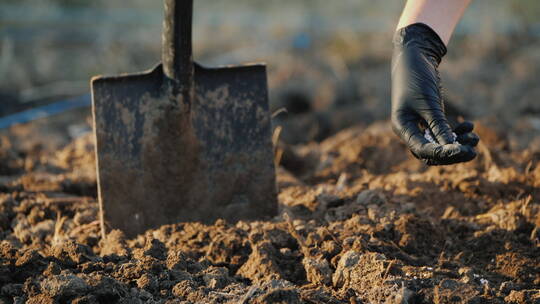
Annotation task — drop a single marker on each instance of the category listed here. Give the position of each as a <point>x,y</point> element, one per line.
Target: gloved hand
<point>417,103</point>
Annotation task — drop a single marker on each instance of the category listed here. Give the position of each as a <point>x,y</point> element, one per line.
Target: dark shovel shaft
<point>177,51</point>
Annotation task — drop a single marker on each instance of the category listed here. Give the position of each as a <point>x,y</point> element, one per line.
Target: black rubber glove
<point>417,103</point>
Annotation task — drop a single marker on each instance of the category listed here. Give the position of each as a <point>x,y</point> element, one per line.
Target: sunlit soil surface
<point>360,221</point>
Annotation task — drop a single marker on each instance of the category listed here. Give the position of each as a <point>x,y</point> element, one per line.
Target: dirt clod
<point>64,286</point>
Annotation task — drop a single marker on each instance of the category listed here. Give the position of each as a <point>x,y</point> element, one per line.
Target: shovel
<point>182,142</point>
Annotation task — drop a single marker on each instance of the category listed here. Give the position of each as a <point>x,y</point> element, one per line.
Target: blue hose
<point>45,111</point>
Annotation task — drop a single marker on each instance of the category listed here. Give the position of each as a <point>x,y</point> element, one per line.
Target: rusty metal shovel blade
<point>182,142</point>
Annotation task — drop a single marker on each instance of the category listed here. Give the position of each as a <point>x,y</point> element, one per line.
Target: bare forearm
<point>441,15</point>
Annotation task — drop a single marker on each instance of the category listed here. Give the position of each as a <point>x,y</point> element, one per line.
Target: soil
<point>360,221</point>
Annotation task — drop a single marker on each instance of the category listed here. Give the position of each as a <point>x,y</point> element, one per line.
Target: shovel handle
<point>177,53</point>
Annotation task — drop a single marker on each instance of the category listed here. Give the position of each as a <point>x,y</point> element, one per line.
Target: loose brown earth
<point>360,222</point>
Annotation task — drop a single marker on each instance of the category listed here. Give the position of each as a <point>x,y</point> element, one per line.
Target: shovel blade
<point>161,163</point>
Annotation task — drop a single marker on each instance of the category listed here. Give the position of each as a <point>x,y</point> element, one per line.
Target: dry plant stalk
<point>58,233</point>
<point>387,271</point>
<point>525,211</point>
<point>279,111</point>
<point>84,227</point>
<point>298,237</point>
<point>278,153</point>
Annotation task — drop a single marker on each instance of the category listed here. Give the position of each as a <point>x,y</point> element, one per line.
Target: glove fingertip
<point>467,153</point>
<point>464,127</point>
<point>474,140</point>
<point>470,153</point>
<point>470,139</point>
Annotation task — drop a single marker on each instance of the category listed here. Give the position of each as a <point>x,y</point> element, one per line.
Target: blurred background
<point>328,61</point>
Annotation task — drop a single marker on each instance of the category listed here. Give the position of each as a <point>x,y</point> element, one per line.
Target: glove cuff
<point>422,34</point>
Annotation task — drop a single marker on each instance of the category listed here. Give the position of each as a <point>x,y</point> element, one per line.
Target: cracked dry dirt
<point>360,222</point>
